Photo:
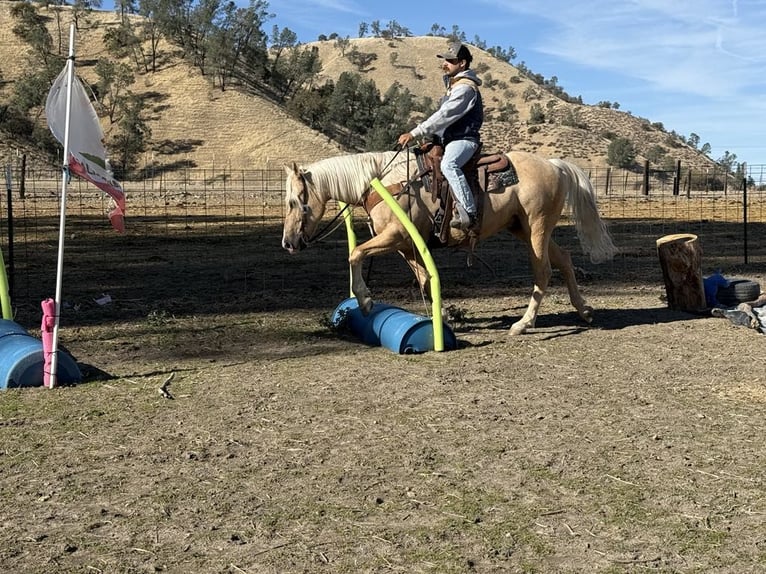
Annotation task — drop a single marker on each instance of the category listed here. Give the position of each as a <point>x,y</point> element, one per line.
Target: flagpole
<point>62,214</point>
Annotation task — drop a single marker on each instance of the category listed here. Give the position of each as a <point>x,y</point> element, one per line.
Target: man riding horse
<point>457,122</point>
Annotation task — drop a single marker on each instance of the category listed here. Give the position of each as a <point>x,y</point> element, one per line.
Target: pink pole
<point>46,332</point>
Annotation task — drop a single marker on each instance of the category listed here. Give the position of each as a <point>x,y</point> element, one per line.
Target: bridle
<point>336,221</point>
<point>327,229</point>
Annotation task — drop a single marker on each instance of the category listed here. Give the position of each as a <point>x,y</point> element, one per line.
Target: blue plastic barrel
<point>22,361</point>
<point>392,327</point>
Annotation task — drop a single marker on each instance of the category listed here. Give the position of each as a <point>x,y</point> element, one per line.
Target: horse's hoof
<point>518,328</point>
<point>587,314</point>
<point>366,306</point>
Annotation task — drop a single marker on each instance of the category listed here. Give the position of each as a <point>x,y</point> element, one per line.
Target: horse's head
<point>304,210</point>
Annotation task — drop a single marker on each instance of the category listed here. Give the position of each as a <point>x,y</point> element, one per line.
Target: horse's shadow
<point>554,325</point>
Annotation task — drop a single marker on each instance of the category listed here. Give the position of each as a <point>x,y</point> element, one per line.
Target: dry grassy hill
<point>195,124</point>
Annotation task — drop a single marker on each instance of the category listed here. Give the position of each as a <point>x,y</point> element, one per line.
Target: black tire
<point>739,291</point>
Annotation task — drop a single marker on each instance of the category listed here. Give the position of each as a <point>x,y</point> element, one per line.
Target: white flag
<point>87,155</point>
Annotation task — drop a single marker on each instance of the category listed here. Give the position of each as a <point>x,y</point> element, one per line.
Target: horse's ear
<point>289,170</point>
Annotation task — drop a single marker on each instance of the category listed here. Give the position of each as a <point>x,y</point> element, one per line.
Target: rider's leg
<point>456,154</point>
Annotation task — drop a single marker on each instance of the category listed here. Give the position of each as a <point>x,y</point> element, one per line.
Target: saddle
<point>485,173</point>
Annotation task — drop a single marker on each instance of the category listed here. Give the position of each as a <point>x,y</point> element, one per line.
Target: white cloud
<point>700,47</point>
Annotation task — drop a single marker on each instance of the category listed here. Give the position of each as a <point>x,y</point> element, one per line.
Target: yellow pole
<point>348,217</point>
<point>5,298</point>
<point>436,296</point>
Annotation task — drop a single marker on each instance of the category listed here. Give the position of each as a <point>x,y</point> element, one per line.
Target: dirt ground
<point>634,444</point>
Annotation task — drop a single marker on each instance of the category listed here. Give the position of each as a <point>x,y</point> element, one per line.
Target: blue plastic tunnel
<point>396,329</point>
<point>22,362</point>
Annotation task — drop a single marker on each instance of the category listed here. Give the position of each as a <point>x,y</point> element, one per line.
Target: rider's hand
<point>405,138</point>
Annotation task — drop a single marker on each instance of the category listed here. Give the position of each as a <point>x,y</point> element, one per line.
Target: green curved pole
<point>436,295</point>
<point>348,217</point>
<point>5,298</point>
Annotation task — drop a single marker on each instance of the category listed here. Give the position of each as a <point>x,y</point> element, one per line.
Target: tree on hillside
<point>656,153</point>
<point>190,27</point>
<point>31,28</point>
<point>81,7</point>
<point>351,108</point>
<point>341,44</point>
<point>150,30</point>
<point>121,41</point>
<point>395,30</point>
<point>693,141</point>
<point>727,161</point>
<point>391,118</point>
<point>297,71</point>
<point>29,92</point>
<point>457,35</point>
<point>437,30</point>
<point>129,37</point>
<point>125,7</point>
<point>132,137</point>
<point>279,41</point>
<point>310,105</point>
<point>536,114</point>
<point>621,153</point>
<point>112,87</point>
<point>503,55</point>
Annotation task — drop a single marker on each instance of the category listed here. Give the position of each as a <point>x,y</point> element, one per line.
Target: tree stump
<point>681,261</point>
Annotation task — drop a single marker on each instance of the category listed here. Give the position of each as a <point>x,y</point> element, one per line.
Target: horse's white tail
<point>591,229</point>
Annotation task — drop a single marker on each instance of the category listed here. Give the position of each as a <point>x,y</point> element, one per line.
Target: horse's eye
<point>294,204</point>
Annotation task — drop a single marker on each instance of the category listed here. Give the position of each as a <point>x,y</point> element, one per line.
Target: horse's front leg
<point>385,242</point>
<point>422,276</point>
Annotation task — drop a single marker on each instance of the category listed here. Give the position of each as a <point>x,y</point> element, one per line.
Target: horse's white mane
<point>347,177</point>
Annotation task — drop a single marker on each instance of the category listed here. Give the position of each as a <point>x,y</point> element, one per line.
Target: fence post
<point>744,216</point>
<point>23,177</point>
<point>677,178</point>
<point>646,177</point>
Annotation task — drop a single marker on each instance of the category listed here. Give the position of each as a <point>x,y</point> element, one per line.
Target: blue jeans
<point>456,155</point>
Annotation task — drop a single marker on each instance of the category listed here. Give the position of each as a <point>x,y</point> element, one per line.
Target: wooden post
<point>645,191</point>
<point>681,261</point>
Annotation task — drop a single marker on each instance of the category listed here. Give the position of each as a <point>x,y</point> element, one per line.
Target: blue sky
<point>696,66</point>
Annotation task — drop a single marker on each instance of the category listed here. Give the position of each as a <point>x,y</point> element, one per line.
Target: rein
<point>330,227</point>
<point>371,198</point>
<point>326,231</point>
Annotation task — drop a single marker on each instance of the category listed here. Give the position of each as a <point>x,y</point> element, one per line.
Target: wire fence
<point>206,240</point>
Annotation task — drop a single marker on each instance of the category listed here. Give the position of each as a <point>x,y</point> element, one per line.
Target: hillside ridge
<point>195,124</point>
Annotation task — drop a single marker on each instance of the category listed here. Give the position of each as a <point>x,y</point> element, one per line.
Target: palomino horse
<point>528,209</point>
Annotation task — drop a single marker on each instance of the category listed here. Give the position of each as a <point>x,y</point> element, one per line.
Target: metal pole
<point>62,215</point>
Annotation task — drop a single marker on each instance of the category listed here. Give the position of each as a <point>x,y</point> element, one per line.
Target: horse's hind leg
<point>562,261</point>
<point>541,275</point>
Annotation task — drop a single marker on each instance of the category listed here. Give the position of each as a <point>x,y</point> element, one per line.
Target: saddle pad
<point>508,177</point>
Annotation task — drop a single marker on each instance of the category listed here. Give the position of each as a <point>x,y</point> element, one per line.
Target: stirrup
<point>464,224</point>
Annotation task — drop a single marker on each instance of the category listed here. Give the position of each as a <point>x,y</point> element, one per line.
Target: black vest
<point>467,127</point>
